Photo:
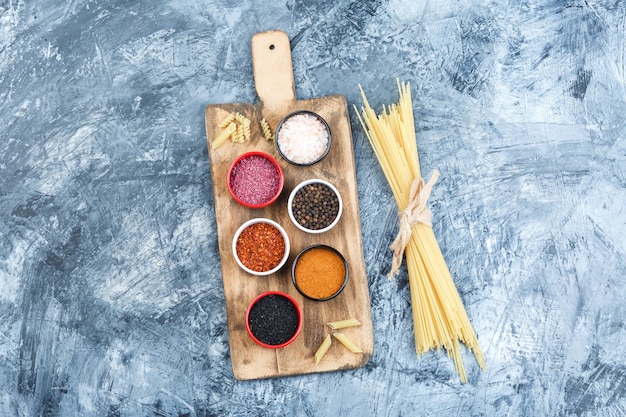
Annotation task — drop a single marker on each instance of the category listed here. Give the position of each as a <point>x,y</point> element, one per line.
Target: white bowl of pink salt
<point>303,138</point>
<point>255,179</point>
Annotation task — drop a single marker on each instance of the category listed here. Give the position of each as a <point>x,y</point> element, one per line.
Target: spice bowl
<point>261,246</point>
<point>303,138</point>
<point>273,319</point>
<point>255,179</point>
<point>315,206</point>
<point>319,272</point>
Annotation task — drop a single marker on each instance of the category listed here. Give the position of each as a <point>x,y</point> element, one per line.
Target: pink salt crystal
<point>255,180</point>
<point>303,138</point>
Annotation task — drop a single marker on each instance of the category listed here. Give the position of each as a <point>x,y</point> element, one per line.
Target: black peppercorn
<point>315,206</point>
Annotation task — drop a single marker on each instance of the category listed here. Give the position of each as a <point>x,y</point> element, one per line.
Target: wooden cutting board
<point>274,82</point>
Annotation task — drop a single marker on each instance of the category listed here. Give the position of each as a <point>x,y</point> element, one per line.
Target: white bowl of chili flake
<point>261,246</point>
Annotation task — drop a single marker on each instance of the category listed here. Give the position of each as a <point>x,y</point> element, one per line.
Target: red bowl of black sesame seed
<point>255,179</point>
<point>315,206</point>
<point>273,319</point>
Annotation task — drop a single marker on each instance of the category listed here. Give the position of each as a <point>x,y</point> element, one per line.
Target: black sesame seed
<point>273,319</point>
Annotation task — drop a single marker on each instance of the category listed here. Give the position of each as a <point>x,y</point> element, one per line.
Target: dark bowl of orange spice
<point>319,272</point>
<point>261,246</point>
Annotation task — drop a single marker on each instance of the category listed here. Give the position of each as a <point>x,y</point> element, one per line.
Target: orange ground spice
<point>319,273</point>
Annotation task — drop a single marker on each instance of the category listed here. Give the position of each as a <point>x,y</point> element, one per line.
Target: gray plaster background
<point>111,301</point>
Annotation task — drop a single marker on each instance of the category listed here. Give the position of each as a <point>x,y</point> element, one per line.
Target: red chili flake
<point>260,247</point>
<point>255,180</point>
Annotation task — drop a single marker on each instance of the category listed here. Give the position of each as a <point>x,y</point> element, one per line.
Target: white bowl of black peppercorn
<point>315,206</point>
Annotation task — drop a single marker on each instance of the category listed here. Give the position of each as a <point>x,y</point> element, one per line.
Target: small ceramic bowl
<point>303,138</point>
<point>319,272</point>
<point>255,179</point>
<point>273,319</point>
<point>257,250</point>
<point>299,215</point>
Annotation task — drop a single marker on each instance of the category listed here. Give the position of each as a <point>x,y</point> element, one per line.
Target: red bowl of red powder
<point>255,179</point>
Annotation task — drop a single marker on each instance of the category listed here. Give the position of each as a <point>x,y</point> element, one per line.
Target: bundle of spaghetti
<point>439,317</point>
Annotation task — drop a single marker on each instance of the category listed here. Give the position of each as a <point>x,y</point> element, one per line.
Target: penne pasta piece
<point>349,344</point>
<point>321,351</point>
<point>342,324</point>
<point>223,136</point>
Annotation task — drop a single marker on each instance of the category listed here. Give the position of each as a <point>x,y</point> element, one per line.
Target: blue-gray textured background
<point>111,301</point>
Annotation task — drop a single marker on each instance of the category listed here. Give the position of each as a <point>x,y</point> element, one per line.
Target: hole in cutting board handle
<point>272,47</point>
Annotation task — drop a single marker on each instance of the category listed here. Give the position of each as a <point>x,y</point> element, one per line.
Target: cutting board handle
<point>273,73</point>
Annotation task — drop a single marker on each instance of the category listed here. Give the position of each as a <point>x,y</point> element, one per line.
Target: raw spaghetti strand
<point>439,317</point>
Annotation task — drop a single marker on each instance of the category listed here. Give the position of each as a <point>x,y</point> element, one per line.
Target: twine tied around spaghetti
<point>416,212</point>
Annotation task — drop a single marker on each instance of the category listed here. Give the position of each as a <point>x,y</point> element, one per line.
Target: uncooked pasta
<point>439,317</point>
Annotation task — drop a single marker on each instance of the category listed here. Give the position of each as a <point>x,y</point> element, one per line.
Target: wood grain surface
<point>274,84</point>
